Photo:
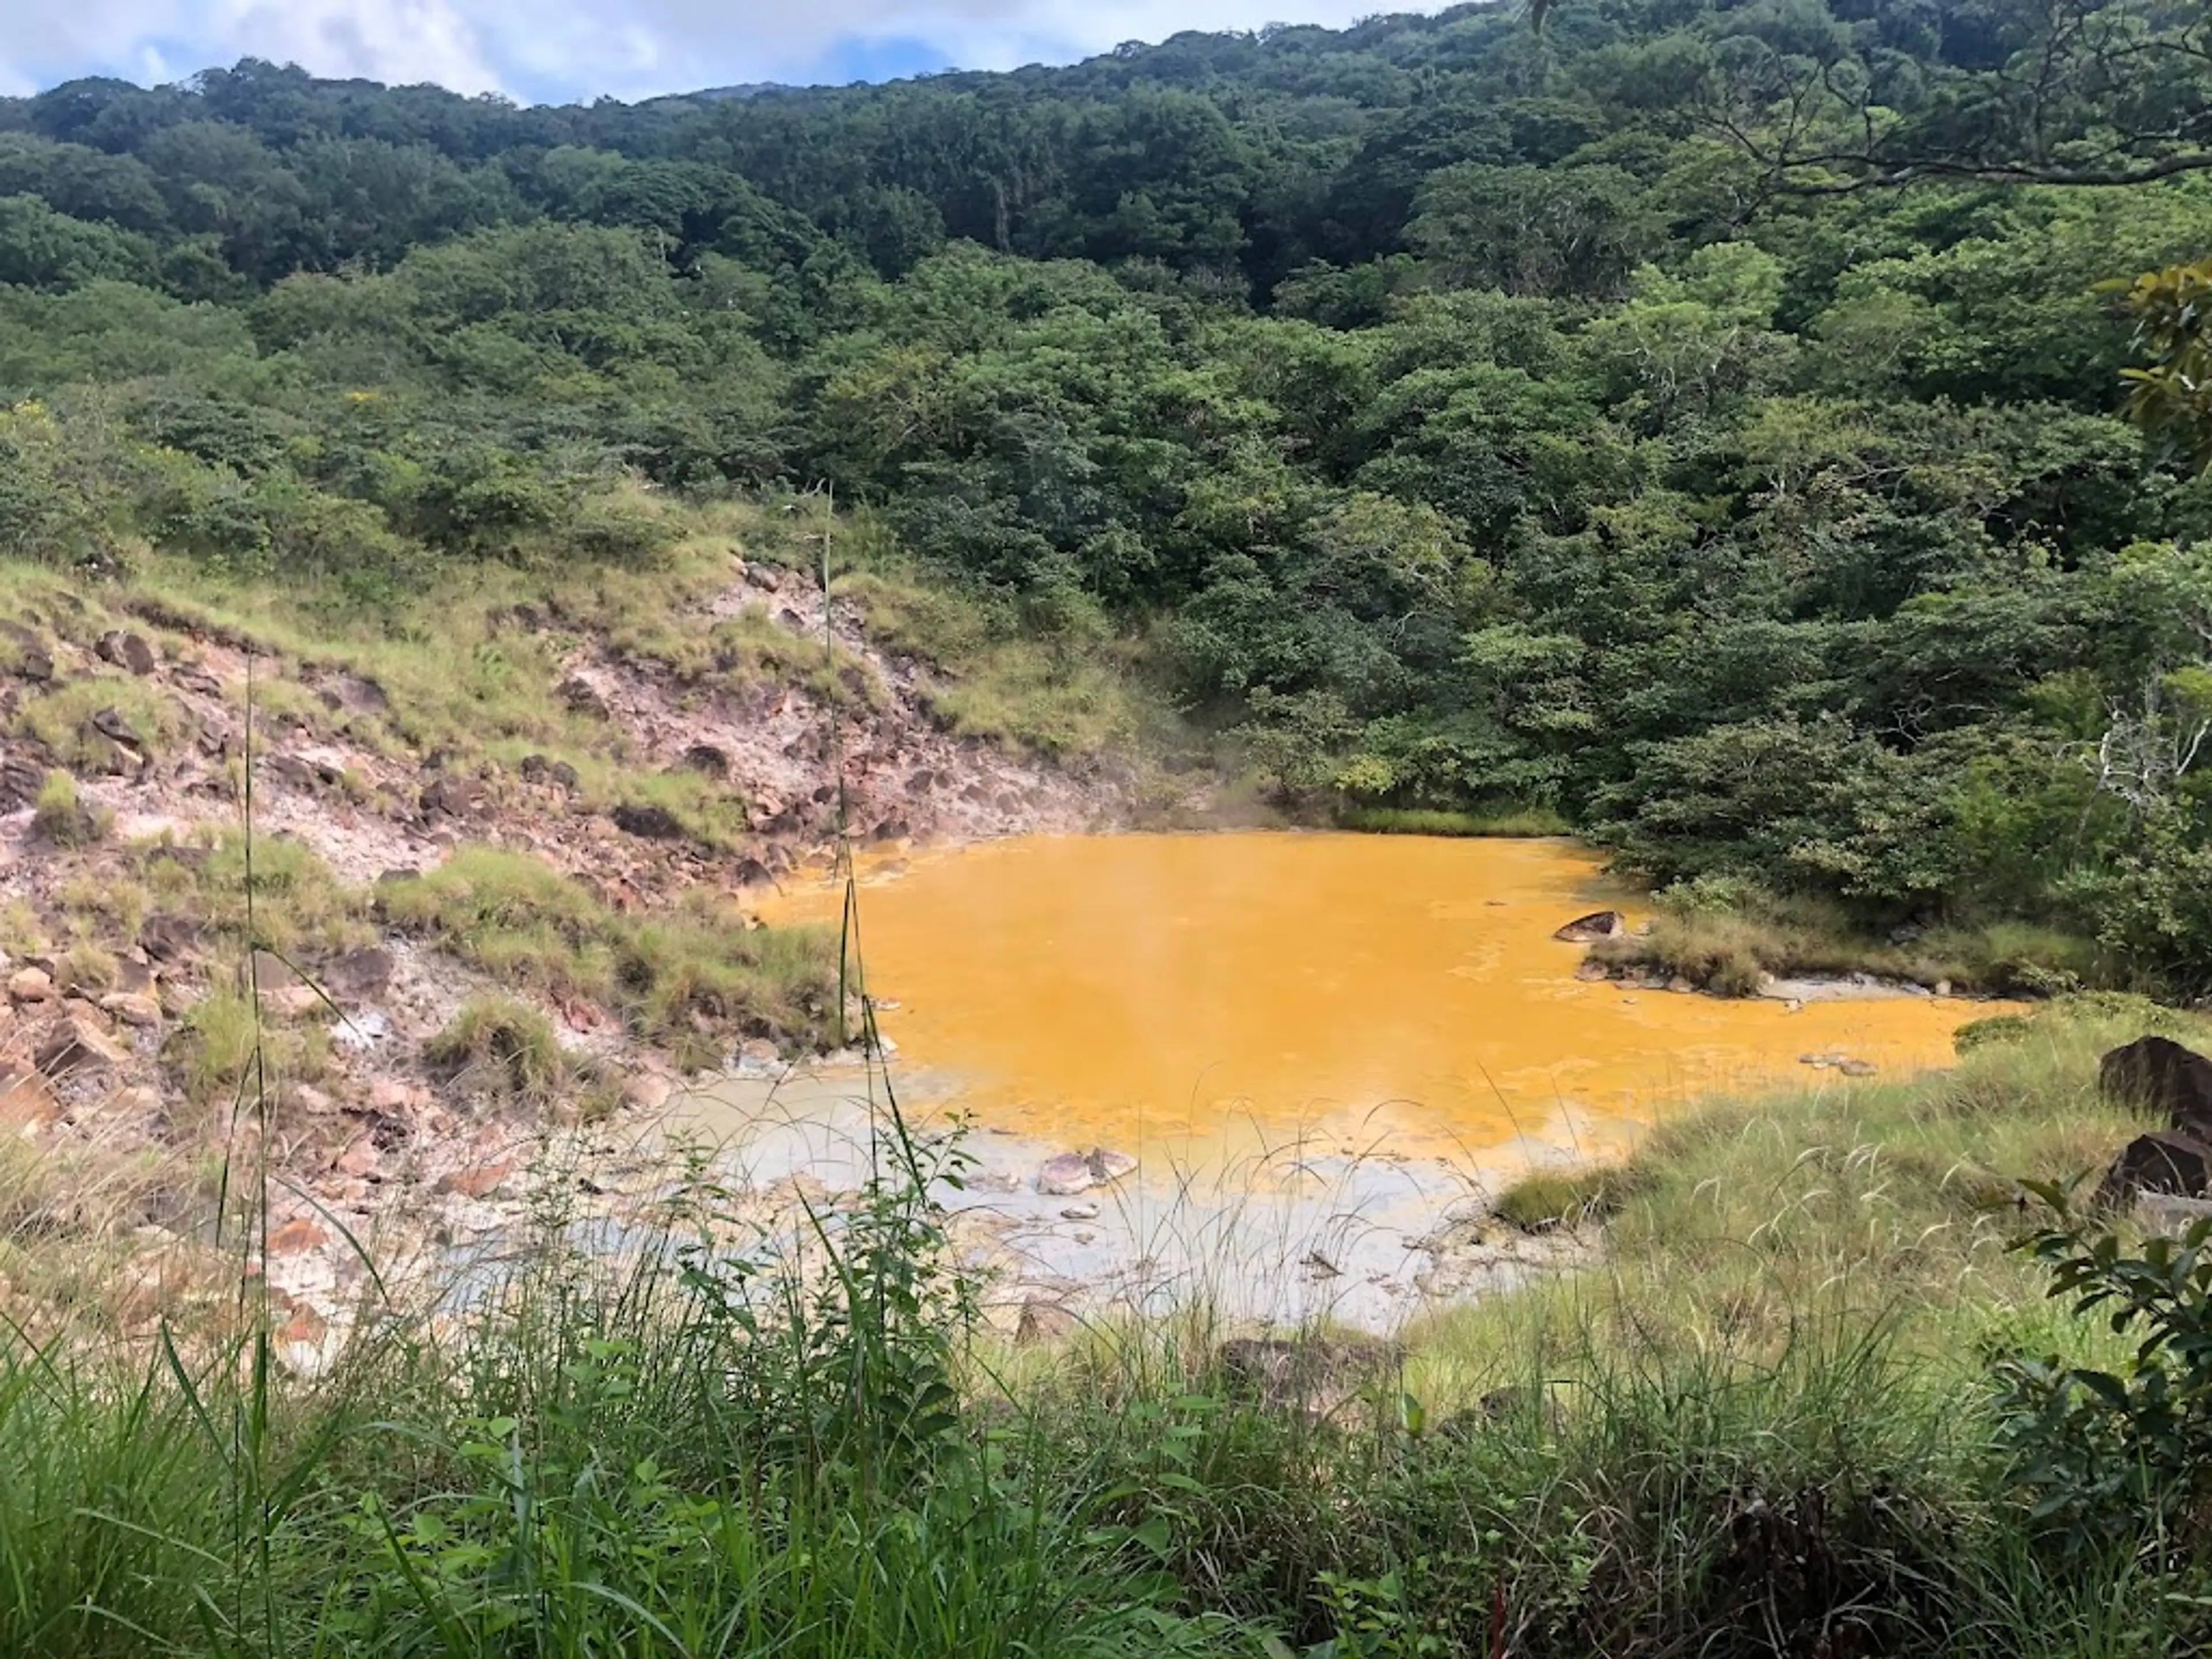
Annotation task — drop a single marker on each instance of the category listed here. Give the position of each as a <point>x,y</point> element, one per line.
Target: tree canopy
<point>1456,414</point>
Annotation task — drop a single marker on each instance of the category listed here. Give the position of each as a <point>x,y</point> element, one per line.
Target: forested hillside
<point>1703,420</point>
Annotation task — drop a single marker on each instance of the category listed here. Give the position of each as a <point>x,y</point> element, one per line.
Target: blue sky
<point>555,49</point>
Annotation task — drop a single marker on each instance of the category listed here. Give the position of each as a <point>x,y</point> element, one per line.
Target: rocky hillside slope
<point>370,909</point>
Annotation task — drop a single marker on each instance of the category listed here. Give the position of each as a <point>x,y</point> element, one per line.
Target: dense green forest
<point>1704,421</point>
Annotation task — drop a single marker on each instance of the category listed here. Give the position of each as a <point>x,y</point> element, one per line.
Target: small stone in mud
<point>1109,1166</point>
<point>1079,1213</point>
<point>646,1091</point>
<point>1855,1068</point>
<point>1065,1175</point>
<point>1070,1173</point>
<point>478,1180</point>
<point>296,1237</point>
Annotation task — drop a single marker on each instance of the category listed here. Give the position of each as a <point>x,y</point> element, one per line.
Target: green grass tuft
<point>62,720</point>
<point>503,1046</point>
<point>58,815</point>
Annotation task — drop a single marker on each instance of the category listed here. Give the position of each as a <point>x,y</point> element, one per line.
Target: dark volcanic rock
<point>358,975</point>
<point>78,1041</point>
<point>1587,930</point>
<point>580,696</point>
<point>2161,1161</point>
<point>170,938</point>
<point>127,650</point>
<point>2157,1074</point>
<point>456,797</point>
<point>22,771</point>
<point>539,769</point>
<point>651,823</point>
<point>111,723</point>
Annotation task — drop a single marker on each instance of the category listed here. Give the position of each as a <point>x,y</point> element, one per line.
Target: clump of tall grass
<point>63,720</point>
<point>502,1046</point>
<point>264,892</point>
<point>694,977</point>
<point>224,1053</point>
<point>61,817</point>
<point>1727,936</point>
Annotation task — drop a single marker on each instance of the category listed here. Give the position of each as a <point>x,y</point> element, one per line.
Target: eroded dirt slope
<point>715,753</point>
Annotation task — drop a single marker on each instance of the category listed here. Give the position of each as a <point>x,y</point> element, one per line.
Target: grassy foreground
<point>1765,1423</point>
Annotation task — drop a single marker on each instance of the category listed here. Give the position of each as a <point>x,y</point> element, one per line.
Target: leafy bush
<point>2117,1452</point>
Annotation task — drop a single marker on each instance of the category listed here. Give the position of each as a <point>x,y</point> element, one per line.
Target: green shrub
<point>2112,1453</point>
<point>1998,1028</point>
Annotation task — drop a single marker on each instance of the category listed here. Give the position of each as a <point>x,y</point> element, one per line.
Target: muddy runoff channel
<point>1280,1072</point>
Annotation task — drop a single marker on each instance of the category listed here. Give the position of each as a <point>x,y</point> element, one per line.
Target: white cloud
<point>580,48</point>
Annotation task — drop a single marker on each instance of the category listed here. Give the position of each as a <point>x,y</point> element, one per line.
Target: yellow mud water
<point>1213,991</point>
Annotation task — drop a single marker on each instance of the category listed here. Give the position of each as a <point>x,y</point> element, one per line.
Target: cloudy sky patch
<point>555,49</point>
